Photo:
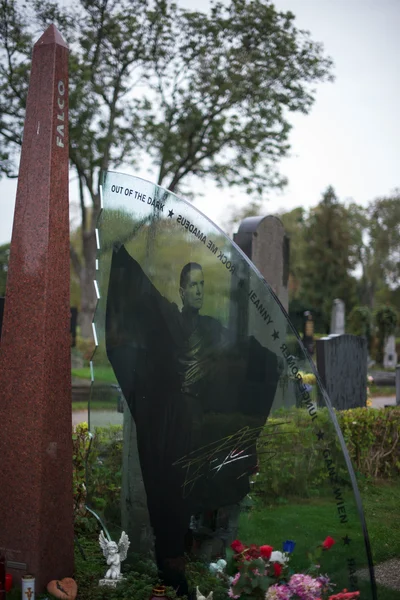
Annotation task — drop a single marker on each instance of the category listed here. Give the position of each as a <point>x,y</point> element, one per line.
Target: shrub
<point>97,473</point>
<point>290,458</point>
<point>372,438</point>
<point>291,462</point>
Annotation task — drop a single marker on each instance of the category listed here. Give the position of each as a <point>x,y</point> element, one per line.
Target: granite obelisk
<point>36,517</point>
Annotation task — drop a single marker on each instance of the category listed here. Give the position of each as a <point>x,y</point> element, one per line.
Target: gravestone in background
<point>390,355</point>
<point>265,242</point>
<point>342,365</point>
<point>338,317</point>
<point>36,508</point>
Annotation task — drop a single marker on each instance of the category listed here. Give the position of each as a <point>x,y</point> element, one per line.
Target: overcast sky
<point>351,138</point>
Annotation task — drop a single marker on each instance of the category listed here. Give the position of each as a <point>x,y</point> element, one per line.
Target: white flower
<point>279,557</point>
<point>218,567</point>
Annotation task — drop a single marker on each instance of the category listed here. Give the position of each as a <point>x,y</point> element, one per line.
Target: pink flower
<point>305,586</point>
<point>231,593</point>
<point>278,592</point>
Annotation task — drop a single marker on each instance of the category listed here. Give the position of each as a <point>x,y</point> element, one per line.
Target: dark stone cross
<point>36,515</point>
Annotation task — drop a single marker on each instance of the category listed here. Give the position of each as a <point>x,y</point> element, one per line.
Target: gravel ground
<point>387,573</point>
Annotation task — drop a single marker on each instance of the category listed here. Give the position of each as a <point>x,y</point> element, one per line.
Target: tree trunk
<point>87,276</point>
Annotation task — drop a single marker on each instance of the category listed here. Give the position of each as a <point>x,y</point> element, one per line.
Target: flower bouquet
<point>263,573</point>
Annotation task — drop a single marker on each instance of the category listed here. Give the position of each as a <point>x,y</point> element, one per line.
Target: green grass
<point>98,405</point>
<point>105,374</point>
<point>307,522</point>
<point>382,390</point>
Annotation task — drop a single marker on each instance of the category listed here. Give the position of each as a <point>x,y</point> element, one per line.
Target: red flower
<point>253,551</point>
<point>328,543</point>
<point>265,551</point>
<point>277,569</point>
<point>237,546</point>
<point>345,595</point>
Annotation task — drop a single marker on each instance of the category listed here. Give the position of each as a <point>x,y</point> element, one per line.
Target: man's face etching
<point>192,293</point>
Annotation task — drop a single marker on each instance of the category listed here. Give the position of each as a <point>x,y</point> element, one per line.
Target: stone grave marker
<point>342,365</point>
<point>36,508</point>
<point>390,355</point>
<point>338,317</point>
<point>265,242</point>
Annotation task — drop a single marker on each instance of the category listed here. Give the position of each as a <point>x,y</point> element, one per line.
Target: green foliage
<point>104,472</point>
<point>384,230</point>
<point>291,463</point>
<point>85,346</point>
<point>290,459</point>
<point>105,374</point>
<point>83,522</point>
<point>376,245</point>
<point>277,522</point>
<point>141,576</point>
<point>372,438</point>
<point>327,257</point>
<point>4,257</point>
<point>198,574</point>
<point>386,320</point>
<point>360,322</point>
<point>201,94</point>
<point>97,476</point>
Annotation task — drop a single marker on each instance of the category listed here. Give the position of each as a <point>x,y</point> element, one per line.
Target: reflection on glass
<point>220,403</point>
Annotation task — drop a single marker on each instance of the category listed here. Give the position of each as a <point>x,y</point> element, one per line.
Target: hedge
<point>290,459</point>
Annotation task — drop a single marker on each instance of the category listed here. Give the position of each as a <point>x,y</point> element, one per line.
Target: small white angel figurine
<point>115,554</point>
<point>199,595</point>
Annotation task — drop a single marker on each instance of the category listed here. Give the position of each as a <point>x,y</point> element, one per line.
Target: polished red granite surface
<point>36,520</point>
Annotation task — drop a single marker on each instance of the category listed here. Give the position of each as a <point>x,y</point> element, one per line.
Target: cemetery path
<point>99,418</point>
<point>79,416</point>
<point>382,401</point>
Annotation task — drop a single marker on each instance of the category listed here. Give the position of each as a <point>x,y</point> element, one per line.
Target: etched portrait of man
<point>199,394</point>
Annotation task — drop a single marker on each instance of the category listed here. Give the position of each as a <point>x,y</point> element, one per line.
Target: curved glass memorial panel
<point>217,428</point>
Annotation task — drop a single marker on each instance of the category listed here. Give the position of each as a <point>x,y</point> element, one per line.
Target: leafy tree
<point>4,256</point>
<point>384,238</point>
<point>376,244</point>
<point>386,320</point>
<point>327,258</point>
<point>203,95</point>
